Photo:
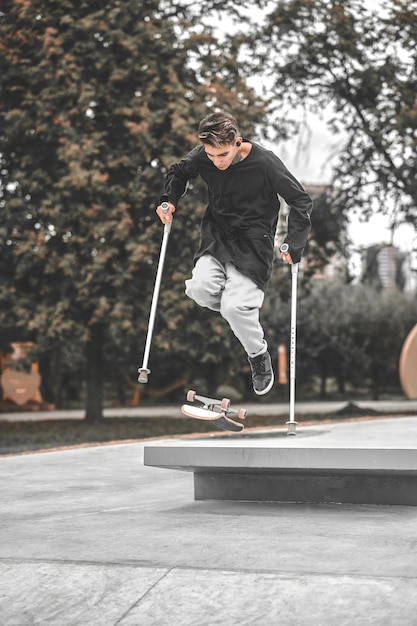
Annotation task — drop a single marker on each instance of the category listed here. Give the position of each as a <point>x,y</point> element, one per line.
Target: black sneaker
<point>262,373</point>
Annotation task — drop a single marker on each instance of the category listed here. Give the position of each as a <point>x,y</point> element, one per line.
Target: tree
<point>353,334</point>
<point>97,101</point>
<point>358,65</point>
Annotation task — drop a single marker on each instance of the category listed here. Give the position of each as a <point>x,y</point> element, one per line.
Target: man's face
<point>223,156</point>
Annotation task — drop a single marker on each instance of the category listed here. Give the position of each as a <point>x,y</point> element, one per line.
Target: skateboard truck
<point>214,410</point>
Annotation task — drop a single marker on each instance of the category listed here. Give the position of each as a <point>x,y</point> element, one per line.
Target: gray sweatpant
<point>236,297</point>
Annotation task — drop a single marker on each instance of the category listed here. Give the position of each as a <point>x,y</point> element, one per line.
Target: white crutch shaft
<point>293,343</point>
<point>144,371</point>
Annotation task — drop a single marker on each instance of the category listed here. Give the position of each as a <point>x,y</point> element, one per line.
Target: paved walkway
<point>90,536</point>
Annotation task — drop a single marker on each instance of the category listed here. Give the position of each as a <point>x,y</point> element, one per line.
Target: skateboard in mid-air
<point>215,411</point>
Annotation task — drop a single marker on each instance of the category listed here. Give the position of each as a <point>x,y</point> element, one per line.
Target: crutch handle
<point>167,227</point>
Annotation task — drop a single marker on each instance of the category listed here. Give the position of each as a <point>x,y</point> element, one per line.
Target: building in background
<point>385,266</point>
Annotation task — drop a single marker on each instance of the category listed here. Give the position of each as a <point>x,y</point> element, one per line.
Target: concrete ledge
<point>356,476</point>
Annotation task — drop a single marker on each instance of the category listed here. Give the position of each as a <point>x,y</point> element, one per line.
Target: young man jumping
<point>233,264</point>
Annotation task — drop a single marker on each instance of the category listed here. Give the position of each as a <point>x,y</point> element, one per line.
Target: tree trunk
<point>323,380</point>
<point>94,409</point>
<point>51,372</point>
<point>341,384</point>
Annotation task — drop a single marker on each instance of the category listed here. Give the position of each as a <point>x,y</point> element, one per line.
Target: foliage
<point>352,333</point>
<point>98,100</point>
<point>358,65</point>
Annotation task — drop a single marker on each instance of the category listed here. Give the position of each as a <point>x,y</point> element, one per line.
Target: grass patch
<point>41,435</point>
<point>25,436</point>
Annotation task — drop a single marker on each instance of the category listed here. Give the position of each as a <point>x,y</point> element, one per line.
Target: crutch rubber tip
<point>292,428</point>
<point>143,375</point>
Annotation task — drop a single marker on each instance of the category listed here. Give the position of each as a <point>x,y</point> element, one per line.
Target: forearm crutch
<point>292,424</point>
<point>144,371</point>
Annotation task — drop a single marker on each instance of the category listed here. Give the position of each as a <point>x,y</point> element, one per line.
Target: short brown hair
<point>218,129</point>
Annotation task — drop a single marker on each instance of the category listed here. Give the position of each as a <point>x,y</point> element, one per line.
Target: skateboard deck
<point>215,411</point>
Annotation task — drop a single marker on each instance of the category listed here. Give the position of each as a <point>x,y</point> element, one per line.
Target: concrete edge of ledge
<point>380,476</point>
<point>251,459</point>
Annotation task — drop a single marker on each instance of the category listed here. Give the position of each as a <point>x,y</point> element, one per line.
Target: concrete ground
<point>90,536</point>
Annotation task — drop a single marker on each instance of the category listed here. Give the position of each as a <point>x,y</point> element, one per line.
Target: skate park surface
<point>91,535</point>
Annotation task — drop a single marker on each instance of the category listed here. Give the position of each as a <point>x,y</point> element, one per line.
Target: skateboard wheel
<point>242,414</point>
<point>190,395</point>
<point>225,403</point>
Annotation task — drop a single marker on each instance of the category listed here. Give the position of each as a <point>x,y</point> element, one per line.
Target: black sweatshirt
<point>241,218</point>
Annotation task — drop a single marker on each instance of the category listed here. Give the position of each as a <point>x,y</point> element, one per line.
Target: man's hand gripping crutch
<point>164,211</point>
